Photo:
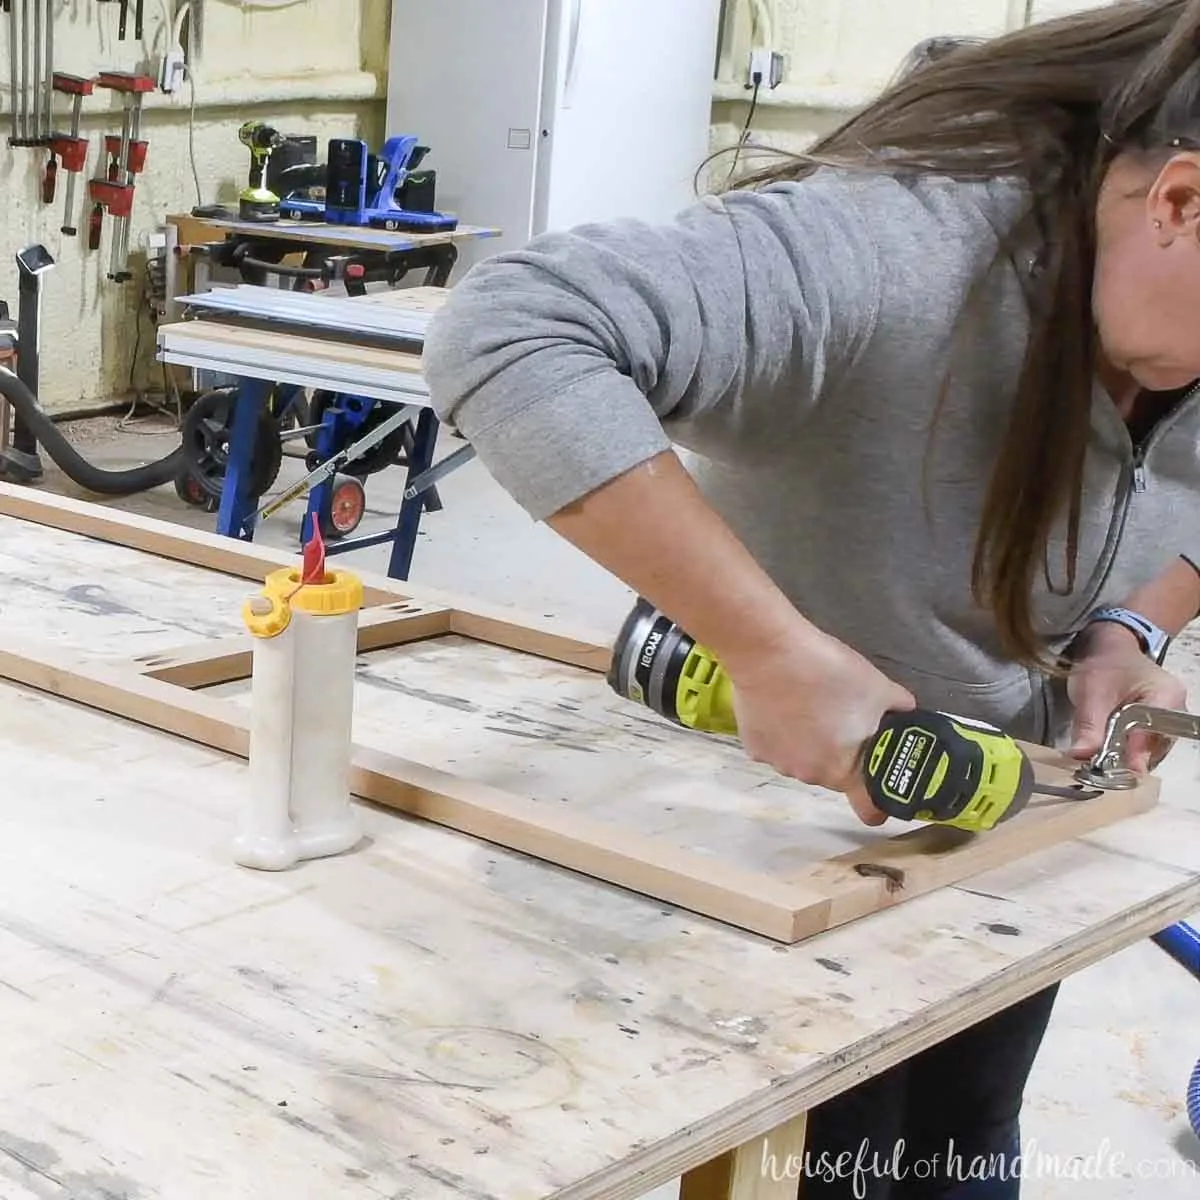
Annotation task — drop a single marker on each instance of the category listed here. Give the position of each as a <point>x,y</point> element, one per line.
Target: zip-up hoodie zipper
<point>1139,452</point>
<point>1137,457</point>
<point>1138,484</point>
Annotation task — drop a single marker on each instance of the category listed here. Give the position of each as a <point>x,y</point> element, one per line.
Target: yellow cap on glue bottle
<point>312,590</point>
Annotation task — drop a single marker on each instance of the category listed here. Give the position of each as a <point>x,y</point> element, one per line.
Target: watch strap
<point>1155,641</point>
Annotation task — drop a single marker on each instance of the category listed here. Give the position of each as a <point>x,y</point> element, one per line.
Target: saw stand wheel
<point>206,432</point>
<point>347,504</point>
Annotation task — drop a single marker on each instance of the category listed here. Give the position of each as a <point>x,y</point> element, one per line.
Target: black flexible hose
<point>73,464</point>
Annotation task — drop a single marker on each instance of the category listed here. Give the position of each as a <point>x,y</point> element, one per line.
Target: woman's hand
<point>1110,670</point>
<point>807,706</point>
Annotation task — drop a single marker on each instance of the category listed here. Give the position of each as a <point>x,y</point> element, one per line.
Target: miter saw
<point>356,187</point>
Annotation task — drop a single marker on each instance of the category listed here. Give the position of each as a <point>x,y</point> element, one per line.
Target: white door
<point>629,108</point>
<point>466,77</point>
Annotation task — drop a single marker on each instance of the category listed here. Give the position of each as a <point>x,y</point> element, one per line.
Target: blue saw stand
<point>236,514</point>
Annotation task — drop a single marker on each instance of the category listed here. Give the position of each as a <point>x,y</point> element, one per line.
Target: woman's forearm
<point>1171,601</point>
<point>653,529</point>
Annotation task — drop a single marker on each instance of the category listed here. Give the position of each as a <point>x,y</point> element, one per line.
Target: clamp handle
<point>1107,767</point>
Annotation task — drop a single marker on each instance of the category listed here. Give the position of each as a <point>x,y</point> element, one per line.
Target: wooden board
<point>780,859</point>
<point>348,320</point>
<point>307,360</point>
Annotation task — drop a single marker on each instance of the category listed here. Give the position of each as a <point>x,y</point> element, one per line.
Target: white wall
<point>319,66</point>
<point>839,53</point>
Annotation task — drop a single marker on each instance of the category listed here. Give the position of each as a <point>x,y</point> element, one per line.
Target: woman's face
<point>1146,296</point>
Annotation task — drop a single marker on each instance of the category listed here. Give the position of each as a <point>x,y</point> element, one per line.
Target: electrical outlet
<point>172,70</point>
<point>765,69</point>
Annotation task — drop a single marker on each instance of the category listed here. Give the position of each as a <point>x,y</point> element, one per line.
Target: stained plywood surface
<point>559,735</point>
<point>105,599</point>
<point>432,1015</point>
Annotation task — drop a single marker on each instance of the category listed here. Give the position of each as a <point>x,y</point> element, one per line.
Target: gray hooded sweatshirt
<point>796,339</point>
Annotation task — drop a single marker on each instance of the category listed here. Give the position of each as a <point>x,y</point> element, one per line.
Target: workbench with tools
<point>320,253</point>
<point>537,976</point>
<point>319,212</point>
<point>361,359</point>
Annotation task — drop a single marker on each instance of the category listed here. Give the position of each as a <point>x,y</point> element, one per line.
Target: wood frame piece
<point>159,691</point>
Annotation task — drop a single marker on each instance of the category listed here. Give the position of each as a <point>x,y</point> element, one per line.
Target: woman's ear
<point>1173,203</point>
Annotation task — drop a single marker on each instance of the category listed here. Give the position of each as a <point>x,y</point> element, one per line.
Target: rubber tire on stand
<point>388,453</point>
<point>205,442</point>
<point>190,490</point>
<point>347,505</point>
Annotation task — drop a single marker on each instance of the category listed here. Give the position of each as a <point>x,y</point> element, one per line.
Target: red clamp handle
<point>124,81</point>
<point>137,151</point>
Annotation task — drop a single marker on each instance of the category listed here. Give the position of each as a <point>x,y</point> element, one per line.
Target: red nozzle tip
<point>314,558</point>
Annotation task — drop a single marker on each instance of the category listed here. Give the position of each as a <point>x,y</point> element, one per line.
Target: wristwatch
<point>1155,641</point>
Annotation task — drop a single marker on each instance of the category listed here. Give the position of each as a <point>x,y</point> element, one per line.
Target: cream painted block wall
<point>838,54</point>
<point>319,67</point>
<point>316,67</point>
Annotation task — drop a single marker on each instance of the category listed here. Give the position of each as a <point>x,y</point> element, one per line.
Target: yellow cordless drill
<point>256,201</point>
<point>918,766</point>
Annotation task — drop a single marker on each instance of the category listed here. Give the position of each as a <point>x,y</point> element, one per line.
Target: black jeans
<point>941,1126</point>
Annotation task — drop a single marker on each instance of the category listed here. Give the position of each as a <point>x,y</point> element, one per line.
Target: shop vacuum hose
<point>1193,1100</point>
<point>71,462</point>
<point>1182,943</point>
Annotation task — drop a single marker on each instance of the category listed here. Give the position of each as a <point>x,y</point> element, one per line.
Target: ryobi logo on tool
<point>650,649</point>
<point>649,652</point>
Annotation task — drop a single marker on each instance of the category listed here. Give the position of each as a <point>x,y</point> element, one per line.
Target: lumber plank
<point>695,882</point>
<point>225,660</point>
<point>196,230</point>
<point>295,346</point>
<point>249,560</point>
<point>513,635</point>
<point>932,857</point>
<point>228,556</point>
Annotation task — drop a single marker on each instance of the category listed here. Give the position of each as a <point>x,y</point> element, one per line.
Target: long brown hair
<point>1051,104</point>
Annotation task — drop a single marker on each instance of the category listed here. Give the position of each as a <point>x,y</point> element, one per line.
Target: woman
<point>938,373</point>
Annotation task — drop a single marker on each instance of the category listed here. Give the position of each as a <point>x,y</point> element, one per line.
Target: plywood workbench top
<point>432,1016</point>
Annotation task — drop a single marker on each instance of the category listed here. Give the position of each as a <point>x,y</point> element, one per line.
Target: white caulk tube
<point>302,713</point>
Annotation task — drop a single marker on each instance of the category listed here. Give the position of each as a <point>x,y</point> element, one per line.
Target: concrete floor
<point>1106,1102</point>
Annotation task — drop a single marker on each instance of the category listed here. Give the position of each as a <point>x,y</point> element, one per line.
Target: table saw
<point>351,366</point>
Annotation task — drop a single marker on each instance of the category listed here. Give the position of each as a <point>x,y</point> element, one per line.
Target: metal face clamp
<point>1107,768</point>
